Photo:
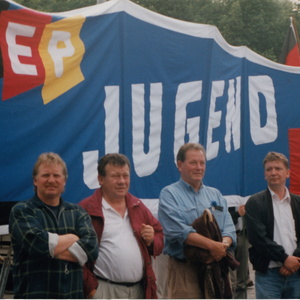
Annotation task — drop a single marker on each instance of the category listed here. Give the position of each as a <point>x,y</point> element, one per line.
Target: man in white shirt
<point>273,224</point>
<point>128,235</point>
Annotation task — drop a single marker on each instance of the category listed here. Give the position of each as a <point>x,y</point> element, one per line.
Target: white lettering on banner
<point>90,173</point>
<point>58,53</point>
<point>233,116</point>
<point>268,133</point>
<point>15,50</point>
<point>214,119</point>
<point>187,92</point>
<point>140,158</point>
<point>112,119</point>
<point>112,129</point>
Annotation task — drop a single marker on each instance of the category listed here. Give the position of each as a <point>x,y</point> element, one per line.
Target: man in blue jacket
<point>273,224</point>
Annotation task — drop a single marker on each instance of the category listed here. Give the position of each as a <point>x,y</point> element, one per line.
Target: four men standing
<point>53,239</point>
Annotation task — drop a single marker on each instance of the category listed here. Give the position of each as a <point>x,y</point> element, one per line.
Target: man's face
<point>115,184</point>
<point>192,170</point>
<point>276,173</point>
<point>50,183</point>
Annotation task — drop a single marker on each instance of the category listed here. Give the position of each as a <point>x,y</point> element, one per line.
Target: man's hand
<point>64,242</point>
<point>284,271</point>
<point>291,264</point>
<point>242,210</point>
<point>227,241</point>
<point>217,250</point>
<point>91,294</point>
<point>147,234</point>
<point>66,255</point>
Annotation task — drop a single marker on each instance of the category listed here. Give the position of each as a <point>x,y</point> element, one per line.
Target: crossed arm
<point>64,247</point>
<point>61,251</point>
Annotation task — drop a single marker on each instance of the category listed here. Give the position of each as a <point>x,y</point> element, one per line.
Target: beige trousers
<point>182,281</point>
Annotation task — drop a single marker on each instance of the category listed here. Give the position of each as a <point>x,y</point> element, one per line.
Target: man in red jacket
<point>127,232</point>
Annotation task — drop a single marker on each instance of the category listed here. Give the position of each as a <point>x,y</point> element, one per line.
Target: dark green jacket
<point>35,273</point>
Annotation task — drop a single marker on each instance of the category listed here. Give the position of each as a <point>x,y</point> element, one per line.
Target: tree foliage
<point>260,25</point>
<point>55,5</point>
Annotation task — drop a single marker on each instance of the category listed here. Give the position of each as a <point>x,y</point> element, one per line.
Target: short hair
<point>49,158</point>
<point>115,159</point>
<point>275,156</point>
<point>181,155</point>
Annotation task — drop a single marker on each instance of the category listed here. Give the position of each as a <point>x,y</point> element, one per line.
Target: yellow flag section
<point>61,50</point>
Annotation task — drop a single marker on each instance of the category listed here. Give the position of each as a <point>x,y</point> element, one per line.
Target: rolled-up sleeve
<point>180,205</point>
<point>79,253</point>
<point>53,241</point>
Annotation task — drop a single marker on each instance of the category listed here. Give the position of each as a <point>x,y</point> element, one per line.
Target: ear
<point>100,179</point>
<point>179,164</point>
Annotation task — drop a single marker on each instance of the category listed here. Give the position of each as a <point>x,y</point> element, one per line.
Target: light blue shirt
<point>180,205</point>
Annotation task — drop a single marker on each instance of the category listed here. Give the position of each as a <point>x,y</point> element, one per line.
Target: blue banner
<point>116,77</point>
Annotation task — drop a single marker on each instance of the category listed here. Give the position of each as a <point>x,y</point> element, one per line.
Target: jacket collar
<point>38,202</point>
<point>95,204</point>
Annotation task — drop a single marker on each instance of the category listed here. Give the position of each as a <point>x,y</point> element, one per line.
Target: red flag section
<point>20,34</point>
<point>290,54</point>
<point>294,145</point>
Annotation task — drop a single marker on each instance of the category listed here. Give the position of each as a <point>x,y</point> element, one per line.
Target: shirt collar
<point>286,197</point>
<point>188,186</point>
<point>107,206</point>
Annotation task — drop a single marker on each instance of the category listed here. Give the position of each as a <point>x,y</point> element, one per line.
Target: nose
<point>121,179</point>
<point>51,178</point>
<point>199,166</point>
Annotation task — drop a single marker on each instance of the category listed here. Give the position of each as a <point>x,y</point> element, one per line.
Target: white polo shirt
<point>119,258</point>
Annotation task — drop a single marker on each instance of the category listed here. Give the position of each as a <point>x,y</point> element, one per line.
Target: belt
<point>128,284</point>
